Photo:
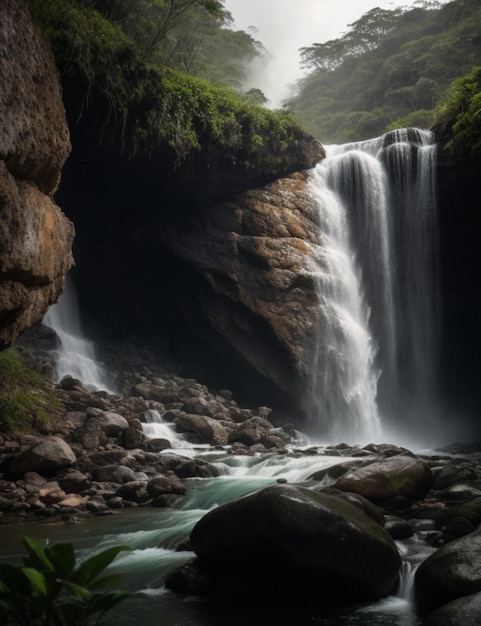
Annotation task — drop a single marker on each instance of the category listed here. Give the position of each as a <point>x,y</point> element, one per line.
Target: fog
<point>284,26</point>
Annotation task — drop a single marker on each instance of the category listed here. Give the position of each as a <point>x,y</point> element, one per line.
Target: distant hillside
<point>391,69</point>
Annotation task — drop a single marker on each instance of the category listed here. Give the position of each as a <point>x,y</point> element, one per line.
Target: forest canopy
<point>128,78</point>
<point>191,36</point>
<point>392,68</point>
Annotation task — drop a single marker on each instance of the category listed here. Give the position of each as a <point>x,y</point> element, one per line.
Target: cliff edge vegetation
<point>458,118</point>
<point>188,125</point>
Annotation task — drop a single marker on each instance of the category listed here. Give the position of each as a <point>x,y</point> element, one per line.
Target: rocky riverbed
<point>95,458</point>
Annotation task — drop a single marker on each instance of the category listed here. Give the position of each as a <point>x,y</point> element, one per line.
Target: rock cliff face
<point>179,256</point>
<point>254,301</point>
<point>35,237</point>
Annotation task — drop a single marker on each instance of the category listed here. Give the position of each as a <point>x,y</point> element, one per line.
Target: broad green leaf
<point>107,582</point>
<point>38,558</point>
<point>101,603</point>
<point>62,556</point>
<point>93,566</point>
<point>71,612</point>
<point>37,580</point>
<point>78,590</point>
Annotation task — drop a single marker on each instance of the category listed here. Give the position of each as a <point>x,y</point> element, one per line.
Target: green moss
<point>156,108</point>
<point>24,400</point>
<point>458,118</point>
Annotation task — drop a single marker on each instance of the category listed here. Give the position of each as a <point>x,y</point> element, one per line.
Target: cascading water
<point>375,359</point>
<point>157,538</point>
<point>75,355</point>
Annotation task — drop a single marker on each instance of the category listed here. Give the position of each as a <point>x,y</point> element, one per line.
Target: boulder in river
<point>452,572</point>
<point>395,476</point>
<point>296,542</point>
<point>462,612</point>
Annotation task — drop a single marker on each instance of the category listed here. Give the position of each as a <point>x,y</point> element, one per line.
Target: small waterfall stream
<point>75,355</point>
<point>375,361</point>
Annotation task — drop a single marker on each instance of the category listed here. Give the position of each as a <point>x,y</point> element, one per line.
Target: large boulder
<point>463,612</point>
<point>48,456</point>
<point>202,429</point>
<point>35,237</point>
<point>110,423</point>
<point>395,476</point>
<point>452,572</point>
<point>293,541</point>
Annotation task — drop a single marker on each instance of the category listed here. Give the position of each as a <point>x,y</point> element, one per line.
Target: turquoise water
<point>153,535</point>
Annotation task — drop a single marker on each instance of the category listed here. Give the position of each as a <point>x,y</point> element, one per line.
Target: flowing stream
<point>153,534</point>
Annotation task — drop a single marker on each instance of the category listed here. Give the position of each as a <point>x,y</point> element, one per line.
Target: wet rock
<point>470,509</point>
<point>291,540</point>
<point>68,383</point>
<point>157,445</point>
<point>360,502</point>
<point>74,482</point>
<point>132,438</point>
<point>187,468</point>
<point>204,429</point>
<point>198,405</point>
<point>395,476</point>
<point>458,493</point>
<point>134,491</point>
<point>109,423</point>
<point>251,431</point>
<point>397,503</point>
<point>336,471</point>
<point>113,474</point>
<point>458,527</point>
<point>398,528</point>
<point>50,455</point>
<point>165,500</point>
<point>73,500</point>
<point>161,485</point>
<point>451,572</point>
<point>465,611</point>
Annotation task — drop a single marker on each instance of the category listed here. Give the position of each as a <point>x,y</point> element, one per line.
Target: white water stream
<point>75,355</point>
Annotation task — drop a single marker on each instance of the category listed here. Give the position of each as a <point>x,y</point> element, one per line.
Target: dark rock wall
<point>222,287</point>
<point>460,227</point>
<point>35,237</point>
<point>175,264</point>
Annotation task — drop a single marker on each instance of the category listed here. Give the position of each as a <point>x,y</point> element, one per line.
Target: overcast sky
<point>284,26</point>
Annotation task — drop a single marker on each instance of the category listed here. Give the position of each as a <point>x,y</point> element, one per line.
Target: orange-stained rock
<point>259,302</point>
<point>35,237</point>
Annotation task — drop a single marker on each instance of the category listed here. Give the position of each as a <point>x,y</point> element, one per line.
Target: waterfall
<point>75,355</point>
<point>375,360</point>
